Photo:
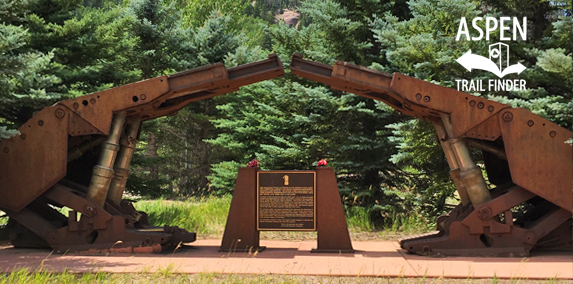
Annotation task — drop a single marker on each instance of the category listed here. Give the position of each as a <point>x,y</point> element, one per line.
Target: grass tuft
<point>205,216</point>
<point>168,275</point>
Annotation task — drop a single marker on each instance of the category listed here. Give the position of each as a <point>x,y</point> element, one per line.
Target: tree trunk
<point>205,147</point>
<point>152,153</point>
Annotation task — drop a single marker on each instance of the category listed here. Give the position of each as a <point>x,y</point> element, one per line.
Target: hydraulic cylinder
<point>103,172</point>
<point>469,175</point>
<point>121,168</point>
<point>453,163</point>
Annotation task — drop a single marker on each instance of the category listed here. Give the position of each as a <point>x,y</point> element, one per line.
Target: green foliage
<point>161,40</point>
<point>212,41</point>
<point>358,218</point>
<point>92,46</point>
<point>325,34</point>
<point>24,75</point>
<point>424,46</point>
<point>555,61</point>
<point>223,176</point>
<point>184,158</point>
<point>207,216</point>
<point>197,12</point>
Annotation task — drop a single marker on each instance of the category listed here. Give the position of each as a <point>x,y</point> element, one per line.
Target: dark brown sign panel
<point>286,200</point>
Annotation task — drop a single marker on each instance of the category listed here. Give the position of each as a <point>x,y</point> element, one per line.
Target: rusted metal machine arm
<point>36,159</point>
<point>207,82</point>
<point>529,159</point>
<point>408,95</point>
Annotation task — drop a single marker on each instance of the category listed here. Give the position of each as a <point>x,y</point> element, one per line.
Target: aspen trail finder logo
<point>498,61</point>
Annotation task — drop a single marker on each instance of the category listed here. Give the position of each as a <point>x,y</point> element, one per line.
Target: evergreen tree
<point>92,47</point>
<point>183,157</point>
<point>197,12</point>
<point>159,49</point>
<point>24,75</point>
<point>290,123</point>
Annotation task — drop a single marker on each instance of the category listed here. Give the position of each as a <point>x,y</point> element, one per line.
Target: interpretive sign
<point>286,200</point>
<point>289,201</point>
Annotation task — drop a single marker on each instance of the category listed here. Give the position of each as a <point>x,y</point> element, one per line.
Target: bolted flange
<point>507,116</point>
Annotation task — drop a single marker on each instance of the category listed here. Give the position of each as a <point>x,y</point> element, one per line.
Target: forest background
<point>387,165</point>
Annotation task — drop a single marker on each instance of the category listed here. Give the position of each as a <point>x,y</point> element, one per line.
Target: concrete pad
<point>372,258</point>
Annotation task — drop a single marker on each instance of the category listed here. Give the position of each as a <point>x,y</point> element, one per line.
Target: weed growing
<point>23,276</point>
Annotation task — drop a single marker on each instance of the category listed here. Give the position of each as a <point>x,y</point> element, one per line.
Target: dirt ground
<point>371,259</point>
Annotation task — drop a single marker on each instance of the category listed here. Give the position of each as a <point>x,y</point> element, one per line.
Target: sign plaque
<point>286,200</point>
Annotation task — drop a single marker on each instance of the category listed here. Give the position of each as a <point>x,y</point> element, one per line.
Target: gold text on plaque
<point>285,178</point>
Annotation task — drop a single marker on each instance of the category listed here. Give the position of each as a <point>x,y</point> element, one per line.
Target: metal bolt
<point>490,108</point>
<point>6,149</point>
<point>143,97</point>
<point>89,210</point>
<point>552,134</point>
<point>481,105</point>
<point>418,96</point>
<point>76,105</point>
<point>426,98</point>
<point>530,238</point>
<point>23,136</point>
<point>93,101</point>
<point>60,113</point>
<point>530,123</point>
<point>507,116</point>
<point>484,212</point>
<point>40,122</point>
<point>472,103</point>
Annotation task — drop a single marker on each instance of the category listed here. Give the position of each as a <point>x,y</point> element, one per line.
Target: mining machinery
<point>76,154</point>
<point>528,202</point>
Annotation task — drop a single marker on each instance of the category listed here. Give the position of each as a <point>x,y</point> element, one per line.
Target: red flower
<point>321,163</point>
<point>253,164</point>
